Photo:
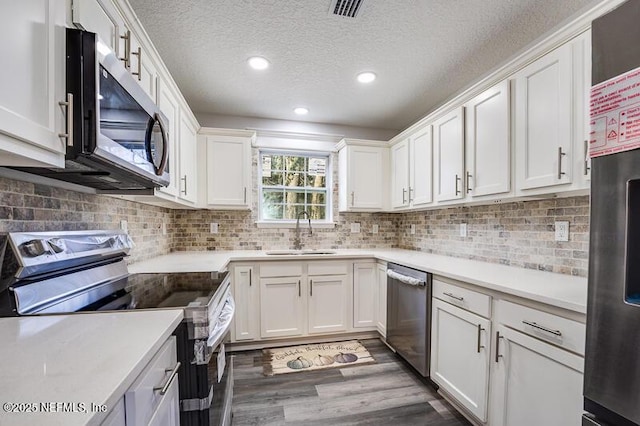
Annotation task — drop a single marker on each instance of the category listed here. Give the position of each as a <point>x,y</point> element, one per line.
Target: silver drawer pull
<point>539,327</point>
<point>454,296</point>
<point>174,372</point>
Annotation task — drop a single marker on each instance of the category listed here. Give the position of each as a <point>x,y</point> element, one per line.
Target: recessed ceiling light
<point>258,63</point>
<point>366,77</point>
<point>301,110</point>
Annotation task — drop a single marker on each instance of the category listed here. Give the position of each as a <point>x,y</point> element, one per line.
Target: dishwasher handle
<point>404,278</point>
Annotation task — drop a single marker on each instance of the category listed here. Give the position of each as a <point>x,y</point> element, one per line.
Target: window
<point>291,183</point>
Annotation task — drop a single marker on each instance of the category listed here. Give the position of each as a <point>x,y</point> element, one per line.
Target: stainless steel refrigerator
<point>612,360</point>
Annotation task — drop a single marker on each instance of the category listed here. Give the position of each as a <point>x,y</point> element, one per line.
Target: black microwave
<point>117,134</point>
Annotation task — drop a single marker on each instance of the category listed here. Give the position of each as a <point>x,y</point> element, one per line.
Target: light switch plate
<point>213,228</point>
<point>562,230</point>
<point>375,228</point>
<point>463,230</point>
<point>355,227</point>
<point>164,228</point>
<point>412,229</point>
<point>124,225</point>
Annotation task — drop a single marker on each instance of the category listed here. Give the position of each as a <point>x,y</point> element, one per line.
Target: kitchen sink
<point>298,252</point>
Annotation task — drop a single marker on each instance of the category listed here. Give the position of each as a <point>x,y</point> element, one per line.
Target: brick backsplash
<point>32,207</point>
<point>519,234</point>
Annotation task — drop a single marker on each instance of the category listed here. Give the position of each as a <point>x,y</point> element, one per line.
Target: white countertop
<point>77,359</point>
<point>562,291</point>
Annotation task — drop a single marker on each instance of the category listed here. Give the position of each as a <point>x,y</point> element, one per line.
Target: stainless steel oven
<point>85,271</point>
<point>117,135</point>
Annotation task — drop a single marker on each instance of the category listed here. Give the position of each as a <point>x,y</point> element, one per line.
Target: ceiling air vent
<point>346,8</point>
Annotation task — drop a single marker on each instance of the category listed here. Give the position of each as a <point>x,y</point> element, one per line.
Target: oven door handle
<point>223,324</point>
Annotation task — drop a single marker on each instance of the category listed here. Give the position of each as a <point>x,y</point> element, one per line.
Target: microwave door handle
<point>165,145</point>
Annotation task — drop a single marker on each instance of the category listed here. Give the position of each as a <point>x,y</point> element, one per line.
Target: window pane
<point>277,162</point>
<point>272,196</point>
<point>316,197</point>
<point>317,212</point>
<point>317,166</point>
<point>317,181</point>
<point>294,179</point>
<point>294,197</point>
<point>273,179</point>
<point>296,163</point>
<point>272,211</point>
<point>292,211</point>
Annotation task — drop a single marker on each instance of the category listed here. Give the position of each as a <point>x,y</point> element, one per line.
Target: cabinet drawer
<point>280,269</point>
<point>560,331</point>
<point>141,400</point>
<point>464,298</point>
<point>327,268</point>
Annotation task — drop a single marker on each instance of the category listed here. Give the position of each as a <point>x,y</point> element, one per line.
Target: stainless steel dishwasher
<point>409,315</point>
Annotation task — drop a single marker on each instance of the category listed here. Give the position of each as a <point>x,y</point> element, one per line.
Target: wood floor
<point>384,393</point>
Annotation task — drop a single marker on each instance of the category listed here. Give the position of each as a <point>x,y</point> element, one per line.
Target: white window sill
<point>303,224</point>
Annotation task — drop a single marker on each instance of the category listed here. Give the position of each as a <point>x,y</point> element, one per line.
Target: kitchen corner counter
<point>73,361</point>
<point>562,291</point>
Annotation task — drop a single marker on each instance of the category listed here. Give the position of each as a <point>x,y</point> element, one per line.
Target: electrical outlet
<point>562,231</point>
<point>375,228</point>
<point>463,230</point>
<point>124,225</point>
<point>213,228</point>
<point>412,229</point>
<point>164,228</point>
<point>355,227</point>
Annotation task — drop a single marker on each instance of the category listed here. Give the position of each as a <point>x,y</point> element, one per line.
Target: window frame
<point>328,190</point>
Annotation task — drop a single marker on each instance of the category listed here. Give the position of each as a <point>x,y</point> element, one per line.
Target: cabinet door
<point>32,83</point>
<point>582,99</point>
<point>488,153</point>
<point>188,161</point>
<point>543,120</point>
<point>460,346</point>
<point>365,284</point>
<point>168,411</point>
<point>116,416</point>
<point>143,68</point>
<point>449,139</point>
<point>328,304</point>
<point>228,166</point>
<point>169,106</point>
<point>100,17</point>
<point>381,298</point>
<point>400,174</point>
<point>281,307</point>
<point>364,170</point>
<point>246,295</point>
<point>421,168</point>
<point>534,383</point>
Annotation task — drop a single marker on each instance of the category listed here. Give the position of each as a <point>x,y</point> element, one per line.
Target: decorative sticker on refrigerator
<point>615,115</point>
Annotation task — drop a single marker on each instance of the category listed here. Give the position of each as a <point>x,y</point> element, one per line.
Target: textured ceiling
<point>423,51</point>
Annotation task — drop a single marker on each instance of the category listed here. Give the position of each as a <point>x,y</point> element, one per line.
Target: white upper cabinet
<point>168,103</point>
<point>488,153</point>
<point>448,134</point>
<point>143,68</point>
<point>400,174</point>
<point>543,121</point>
<point>228,168</point>
<point>362,175</point>
<point>188,160</point>
<point>582,99</point>
<point>102,18</point>
<point>32,83</point>
<point>421,167</point>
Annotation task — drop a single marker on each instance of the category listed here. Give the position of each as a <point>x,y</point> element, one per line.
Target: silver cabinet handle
<point>498,337</point>
<point>586,158</point>
<point>250,277</point>
<point>404,193</point>
<point>245,195</point>
<point>184,179</point>
<point>69,107</point>
<point>139,55</point>
<point>469,176</point>
<point>353,197</point>
<point>454,296</point>
<point>410,191</point>
<point>480,330</point>
<point>174,372</point>
<point>457,180</point>
<point>560,155</point>
<point>311,288</point>
<point>127,49</point>
<point>299,291</point>
<point>545,329</point>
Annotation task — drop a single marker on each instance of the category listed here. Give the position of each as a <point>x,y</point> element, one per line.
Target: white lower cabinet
<point>281,307</point>
<point>328,309</point>
<point>381,299</point>
<point>534,383</point>
<point>365,286</point>
<point>247,297</point>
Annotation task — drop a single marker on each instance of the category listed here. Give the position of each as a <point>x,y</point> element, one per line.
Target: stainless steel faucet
<point>297,244</point>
